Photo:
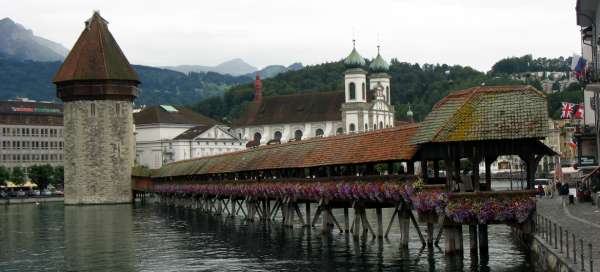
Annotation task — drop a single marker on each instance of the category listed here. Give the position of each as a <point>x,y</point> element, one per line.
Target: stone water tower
<point>97,85</point>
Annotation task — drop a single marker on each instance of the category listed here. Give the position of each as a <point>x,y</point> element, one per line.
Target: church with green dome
<point>363,105</point>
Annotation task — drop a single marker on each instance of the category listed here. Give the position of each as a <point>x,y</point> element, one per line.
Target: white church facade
<point>168,133</point>
<point>363,105</point>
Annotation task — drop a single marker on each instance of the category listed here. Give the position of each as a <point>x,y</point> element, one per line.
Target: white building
<point>363,105</point>
<point>31,133</point>
<point>171,133</point>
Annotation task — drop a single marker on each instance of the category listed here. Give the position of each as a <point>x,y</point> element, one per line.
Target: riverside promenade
<point>579,221</point>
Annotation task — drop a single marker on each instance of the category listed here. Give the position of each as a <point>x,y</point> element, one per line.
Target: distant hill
<point>33,80</point>
<point>19,43</point>
<point>274,70</point>
<point>235,67</point>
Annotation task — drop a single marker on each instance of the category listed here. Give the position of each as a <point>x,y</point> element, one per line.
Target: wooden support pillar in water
<point>219,205</point>
<point>232,201</point>
<point>404,221</point>
<point>356,226</point>
<point>429,235</point>
<point>483,241</point>
<point>325,224</point>
<point>473,246</point>
<point>346,220</point>
<point>379,222</point>
<point>290,213</point>
<point>307,207</point>
<point>454,241</point>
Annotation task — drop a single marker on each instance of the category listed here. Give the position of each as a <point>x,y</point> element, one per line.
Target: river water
<point>53,237</point>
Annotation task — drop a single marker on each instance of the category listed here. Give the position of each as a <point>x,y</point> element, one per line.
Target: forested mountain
<point>159,86</point>
<point>222,97</point>
<point>421,86</point>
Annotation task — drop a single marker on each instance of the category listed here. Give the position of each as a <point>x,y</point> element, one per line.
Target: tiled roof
<point>31,113</point>
<point>486,113</point>
<point>390,144</point>
<point>95,56</point>
<point>192,133</point>
<point>158,115</point>
<point>296,108</point>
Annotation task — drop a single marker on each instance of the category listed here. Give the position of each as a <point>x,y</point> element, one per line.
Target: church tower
<point>379,68</point>
<point>354,115</point>
<point>381,114</point>
<point>97,85</point>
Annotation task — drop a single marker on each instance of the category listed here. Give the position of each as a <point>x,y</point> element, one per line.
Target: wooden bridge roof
<point>486,113</point>
<point>392,144</point>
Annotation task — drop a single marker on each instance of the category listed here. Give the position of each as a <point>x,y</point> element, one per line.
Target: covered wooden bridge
<point>376,170</point>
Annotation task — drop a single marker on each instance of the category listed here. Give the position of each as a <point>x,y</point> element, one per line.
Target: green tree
<point>58,179</point>
<point>41,175</point>
<point>4,175</point>
<point>18,175</point>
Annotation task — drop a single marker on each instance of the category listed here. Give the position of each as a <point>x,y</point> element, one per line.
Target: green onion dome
<point>354,60</point>
<point>379,65</point>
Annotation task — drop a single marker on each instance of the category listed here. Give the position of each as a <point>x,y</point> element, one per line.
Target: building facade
<point>97,85</point>
<point>31,133</point>
<point>171,133</point>
<point>363,105</point>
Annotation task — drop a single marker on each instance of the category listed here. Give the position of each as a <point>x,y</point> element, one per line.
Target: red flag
<point>578,111</point>
<point>567,109</point>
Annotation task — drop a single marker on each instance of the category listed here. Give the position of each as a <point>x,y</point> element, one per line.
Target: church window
<point>93,109</point>
<point>374,126</point>
<point>366,127</point>
<point>352,89</point>
<point>118,109</point>
<point>364,92</point>
<point>319,132</point>
<point>380,124</point>
<point>277,135</point>
<point>339,131</point>
<point>298,135</point>
<point>257,137</point>
<point>352,128</point>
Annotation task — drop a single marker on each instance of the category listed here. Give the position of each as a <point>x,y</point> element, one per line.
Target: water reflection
<point>50,237</point>
<point>94,235</point>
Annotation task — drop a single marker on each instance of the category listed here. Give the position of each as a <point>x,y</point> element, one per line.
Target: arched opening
<point>352,89</point>
<point>339,131</point>
<point>352,128</point>
<point>364,92</point>
<point>257,137</point>
<point>319,132</point>
<point>298,135</point>
<point>380,125</point>
<point>277,135</point>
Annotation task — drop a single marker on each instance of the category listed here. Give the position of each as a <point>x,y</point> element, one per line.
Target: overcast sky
<point>476,33</point>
